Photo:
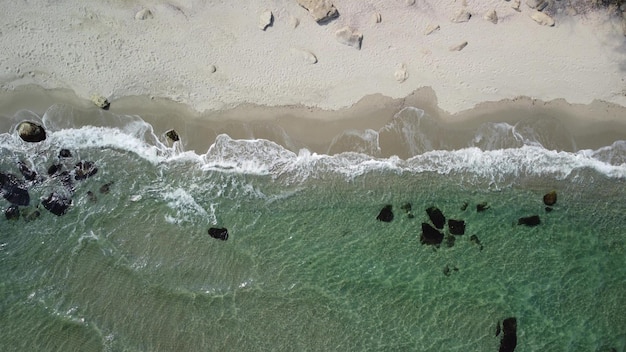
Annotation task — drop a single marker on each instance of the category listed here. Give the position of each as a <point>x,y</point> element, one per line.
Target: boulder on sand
<point>349,36</point>
<point>31,132</point>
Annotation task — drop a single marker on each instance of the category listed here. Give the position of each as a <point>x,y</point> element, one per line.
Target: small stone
<point>401,74</point>
<point>474,239</point>
<point>458,47</point>
<point>406,207</point>
<point>410,2</point>
<point>218,233</point>
<point>100,101</point>
<point>106,188</point>
<point>450,241</point>
<point>30,216</point>
<point>549,199</point>
<point>538,5</point>
<point>143,14</point>
<point>349,36</point>
<point>212,68</point>
<point>515,5</point>
<point>294,22</point>
<point>266,19</point>
<point>376,18</point>
<point>462,15</point>
<point>464,206</point>
<point>431,28</point>
<point>321,10</point>
<point>304,55</point>
<point>542,19</point>
<point>172,136</point>
<point>482,207</point>
<point>84,170</point>
<point>491,16</point>
<point>31,132</point>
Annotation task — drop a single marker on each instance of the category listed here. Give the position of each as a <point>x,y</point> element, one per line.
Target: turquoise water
<point>307,267</point>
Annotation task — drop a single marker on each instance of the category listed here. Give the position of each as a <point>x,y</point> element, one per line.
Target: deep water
<point>307,266</point>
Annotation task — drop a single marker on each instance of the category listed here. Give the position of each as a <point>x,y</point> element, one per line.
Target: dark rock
<point>54,169</point>
<point>31,132</point>
<point>28,174</point>
<point>14,190</point>
<point>385,214</point>
<point>529,220</point>
<point>447,270</point>
<point>66,181</point>
<point>464,206</point>
<point>436,217</point>
<point>92,197</point>
<point>172,135</point>
<point>12,212</point>
<point>219,233</point>
<point>482,207</point>
<point>457,227</point>
<point>450,241</point>
<point>65,153</point>
<point>84,169</point>
<point>474,239</point>
<point>509,335</point>
<point>549,199</point>
<point>430,235</point>
<point>106,188</point>
<point>410,215</point>
<point>56,204</point>
<point>548,209</point>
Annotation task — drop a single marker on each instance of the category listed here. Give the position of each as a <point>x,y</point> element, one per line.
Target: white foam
<point>185,206</point>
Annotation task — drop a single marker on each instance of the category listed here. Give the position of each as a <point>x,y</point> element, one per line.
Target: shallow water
<point>307,267</point>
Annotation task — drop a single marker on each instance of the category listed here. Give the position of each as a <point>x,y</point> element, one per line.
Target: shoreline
<point>214,57</point>
<point>295,127</point>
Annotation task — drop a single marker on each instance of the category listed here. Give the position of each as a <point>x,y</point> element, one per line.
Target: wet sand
<point>569,127</point>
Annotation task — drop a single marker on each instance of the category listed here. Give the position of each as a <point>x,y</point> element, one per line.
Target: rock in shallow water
<point>457,227</point>
<point>509,336</point>
<point>385,214</point>
<point>12,212</point>
<point>14,190</point>
<point>430,235</point>
<point>549,199</point>
<point>219,233</point>
<point>533,220</point>
<point>56,204</point>
<point>436,217</point>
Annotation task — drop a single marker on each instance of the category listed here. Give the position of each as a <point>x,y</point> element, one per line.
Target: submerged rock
<point>31,132</point>
<point>219,233</point>
<point>29,175</point>
<point>84,169</point>
<point>54,170</point>
<point>56,204</point>
<point>482,207</point>
<point>30,216</point>
<point>457,227</point>
<point>549,199</point>
<point>474,239</point>
<point>436,217</point>
<point>12,212</point>
<point>430,235</point>
<point>14,190</point>
<point>321,10</point>
<point>450,241</point>
<point>105,188</point>
<point>385,214</point>
<point>529,220</point>
<point>509,335</point>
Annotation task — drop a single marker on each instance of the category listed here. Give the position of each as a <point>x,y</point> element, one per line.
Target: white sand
<point>97,46</point>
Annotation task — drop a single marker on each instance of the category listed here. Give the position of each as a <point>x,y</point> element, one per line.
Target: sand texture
<point>215,55</point>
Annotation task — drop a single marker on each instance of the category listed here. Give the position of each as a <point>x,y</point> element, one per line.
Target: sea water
<point>307,266</point>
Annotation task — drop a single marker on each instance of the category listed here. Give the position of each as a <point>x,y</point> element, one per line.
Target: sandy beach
<point>213,56</point>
